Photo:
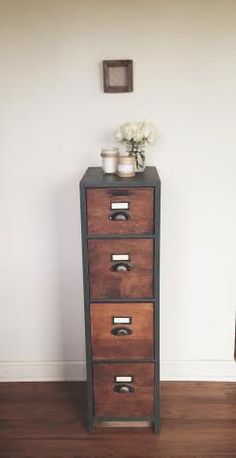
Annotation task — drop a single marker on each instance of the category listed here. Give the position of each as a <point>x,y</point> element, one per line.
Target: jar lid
<point>108,152</point>
<point>126,159</point>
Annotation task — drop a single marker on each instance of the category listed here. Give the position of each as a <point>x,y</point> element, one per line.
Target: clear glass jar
<point>138,151</point>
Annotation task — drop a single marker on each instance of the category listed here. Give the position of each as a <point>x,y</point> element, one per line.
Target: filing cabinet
<point>120,220</point>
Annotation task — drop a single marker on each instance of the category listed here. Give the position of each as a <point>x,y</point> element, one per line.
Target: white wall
<point>54,121</point>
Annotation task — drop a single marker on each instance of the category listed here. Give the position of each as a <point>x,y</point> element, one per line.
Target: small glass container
<point>126,166</point>
<point>109,159</point>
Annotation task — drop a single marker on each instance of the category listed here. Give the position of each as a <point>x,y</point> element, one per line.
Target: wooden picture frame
<point>118,76</point>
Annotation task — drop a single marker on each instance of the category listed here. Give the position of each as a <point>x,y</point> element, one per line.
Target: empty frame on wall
<point>118,76</point>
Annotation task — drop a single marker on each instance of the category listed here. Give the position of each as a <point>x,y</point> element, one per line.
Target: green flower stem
<point>138,153</point>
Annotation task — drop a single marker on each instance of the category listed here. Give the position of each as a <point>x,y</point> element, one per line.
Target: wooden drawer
<point>106,261</point>
<point>123,331</point>
<point>120,211</point>
<point>123,399</point>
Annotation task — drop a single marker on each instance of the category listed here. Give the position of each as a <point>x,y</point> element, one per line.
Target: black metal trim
<point>94,177</point>
<point>156,424</point>
<point>89,367</point>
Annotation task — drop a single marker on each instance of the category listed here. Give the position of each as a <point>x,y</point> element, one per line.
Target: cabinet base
<point>126,424</point>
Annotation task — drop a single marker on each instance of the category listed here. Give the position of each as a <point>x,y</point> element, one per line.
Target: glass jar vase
<point>137,150</point>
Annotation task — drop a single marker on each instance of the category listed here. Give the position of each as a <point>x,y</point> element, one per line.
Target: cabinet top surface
<point>95,177</point>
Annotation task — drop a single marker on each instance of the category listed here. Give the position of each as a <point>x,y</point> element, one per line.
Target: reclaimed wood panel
<point>108,402</point>
<point>107,284</point>
<point>137,345</point>
<point>140,212</point>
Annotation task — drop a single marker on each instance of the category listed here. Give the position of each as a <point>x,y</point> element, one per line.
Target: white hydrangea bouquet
<point>136,135</point>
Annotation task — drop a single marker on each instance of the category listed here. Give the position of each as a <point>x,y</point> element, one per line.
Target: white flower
<point>137,132</point>
<point>146,129</point>
<point>127,132</point>
<point>119,135</point>
<point>129,135</point>
<point>138,136</point>
<point>134,127</point>
<point>151,138</point>
<point>129,129</point>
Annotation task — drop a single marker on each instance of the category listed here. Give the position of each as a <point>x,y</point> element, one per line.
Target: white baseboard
<point>42,371</point>
<point>194,370</point>
<point>76,370</point>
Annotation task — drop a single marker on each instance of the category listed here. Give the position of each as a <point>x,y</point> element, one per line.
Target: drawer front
<point>120,211</point>
<point>120,268</point>
<point>124,389</point>
<point>123,331</point>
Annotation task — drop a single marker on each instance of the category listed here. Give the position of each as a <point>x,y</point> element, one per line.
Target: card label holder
<point>119,205</point>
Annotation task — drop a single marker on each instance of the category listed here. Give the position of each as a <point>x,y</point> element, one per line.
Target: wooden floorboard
<point>41,420</point>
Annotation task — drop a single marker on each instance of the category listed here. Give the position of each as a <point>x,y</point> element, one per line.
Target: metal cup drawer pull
<point>122,331</point>
<point>119,216</point>
<point>121,267</point>
<point>123,389</point>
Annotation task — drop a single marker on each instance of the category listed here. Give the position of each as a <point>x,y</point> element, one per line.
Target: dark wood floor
<point>49,420</point>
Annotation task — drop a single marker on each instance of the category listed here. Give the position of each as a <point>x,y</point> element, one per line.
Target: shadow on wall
<point>70,283</point>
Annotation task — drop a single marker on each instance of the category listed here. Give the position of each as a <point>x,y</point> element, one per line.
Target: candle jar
<point>126,166</point>
<point>109,159</point>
